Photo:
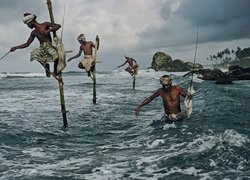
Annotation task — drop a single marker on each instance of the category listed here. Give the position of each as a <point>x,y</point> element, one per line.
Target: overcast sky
<point>137,28</point>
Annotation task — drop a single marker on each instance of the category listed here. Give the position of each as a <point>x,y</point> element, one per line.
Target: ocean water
<point>107,141</point>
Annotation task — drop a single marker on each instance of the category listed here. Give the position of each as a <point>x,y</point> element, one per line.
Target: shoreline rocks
<point>163,62</point>
<point>234,73</point>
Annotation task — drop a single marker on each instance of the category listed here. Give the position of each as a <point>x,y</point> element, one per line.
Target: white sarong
<point>88,59</point>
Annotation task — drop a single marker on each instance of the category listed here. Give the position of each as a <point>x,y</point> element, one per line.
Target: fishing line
<point>63,18</point>
<point>196,45</point>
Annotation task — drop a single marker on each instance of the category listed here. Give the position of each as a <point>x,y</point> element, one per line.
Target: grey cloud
<point>8,8</point>
<point>218,21</point>
<point>214,12</point>
<point>223,20</point>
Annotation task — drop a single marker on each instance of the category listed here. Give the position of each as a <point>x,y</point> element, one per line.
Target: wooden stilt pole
<point>133,81</point>
<point>135,71</point>
<point>63,108</point>
<point>94,69</point>
<point>94,87</point>
<point>59,77</point>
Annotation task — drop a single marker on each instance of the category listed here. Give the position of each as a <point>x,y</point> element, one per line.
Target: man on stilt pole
<point>46,52</point>
<point>89,61</point>
<point>132,69</point>
<point>86,47</point>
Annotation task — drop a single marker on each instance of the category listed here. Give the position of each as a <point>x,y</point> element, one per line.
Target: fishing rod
<point>63,18</point>
<point>188,102</point>
<point>5,55</point>
<point>196,45</point>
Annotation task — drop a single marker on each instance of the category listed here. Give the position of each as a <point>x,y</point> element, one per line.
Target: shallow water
<point>107,141</point>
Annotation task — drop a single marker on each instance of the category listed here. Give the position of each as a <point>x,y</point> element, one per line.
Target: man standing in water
<point>171,99</point>
<point>132,68</point>
<point>46,52</point>
<point>86,46</point>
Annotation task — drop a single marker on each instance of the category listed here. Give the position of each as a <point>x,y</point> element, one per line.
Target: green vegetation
<point>231,57</point>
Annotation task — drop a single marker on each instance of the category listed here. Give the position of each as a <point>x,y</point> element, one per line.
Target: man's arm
<point>76,56</point>
<point>145,102</point>
<point>134,60</point>
<point>184,94</point>
<point>29,41</point>
<point>122,64</point>
<point>53,28</point>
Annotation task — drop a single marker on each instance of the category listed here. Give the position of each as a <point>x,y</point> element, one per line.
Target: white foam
<point>35,152</point>
<point>234,138</point>
<point>189,171</point>
<point>169,126</point>
<point>155,143</point>
<point>212,163</point>
<point>108,171</point>
<point>3,75</point>
<point>25,75</point>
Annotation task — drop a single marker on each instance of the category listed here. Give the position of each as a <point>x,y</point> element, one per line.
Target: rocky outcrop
<point>234,73</point>
<point>160,61</point>
<point>163,62</point>
<point>239,73</point>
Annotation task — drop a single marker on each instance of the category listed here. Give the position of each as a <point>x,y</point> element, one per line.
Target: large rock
<point>163,62</point>
<point>160,61</point>
<point>178,65</point>
<point>192,66</point>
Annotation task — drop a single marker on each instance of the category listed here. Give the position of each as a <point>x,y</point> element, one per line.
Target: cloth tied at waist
<point>87,62</point>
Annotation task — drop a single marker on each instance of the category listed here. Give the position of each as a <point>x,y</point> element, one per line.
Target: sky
<point>137,28</point>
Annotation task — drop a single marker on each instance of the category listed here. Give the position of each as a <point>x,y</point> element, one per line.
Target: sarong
<point>87,62</point>
<point>61,54</point>
<point>44,54</point>
<point>135,69</point>
<point>170,118</point>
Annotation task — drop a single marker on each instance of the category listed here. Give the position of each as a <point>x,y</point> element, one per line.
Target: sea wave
<point>21,75</point>
<point>107,140</point>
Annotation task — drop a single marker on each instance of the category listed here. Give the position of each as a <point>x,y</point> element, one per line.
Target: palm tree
<point>237,53</point>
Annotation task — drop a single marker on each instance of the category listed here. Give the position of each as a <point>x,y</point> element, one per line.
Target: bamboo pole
<point>59,78</point>
<point>63,108</point>
<point>51,15</point>
<point>94,69</point>
<point>133,81</point>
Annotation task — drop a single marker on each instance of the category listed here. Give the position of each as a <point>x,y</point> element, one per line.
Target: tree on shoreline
<point>224,57</point>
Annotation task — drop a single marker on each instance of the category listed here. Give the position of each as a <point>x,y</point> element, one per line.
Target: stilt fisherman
<point>87,48</point>
<point>46,52</point>
<point>133,67</point>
